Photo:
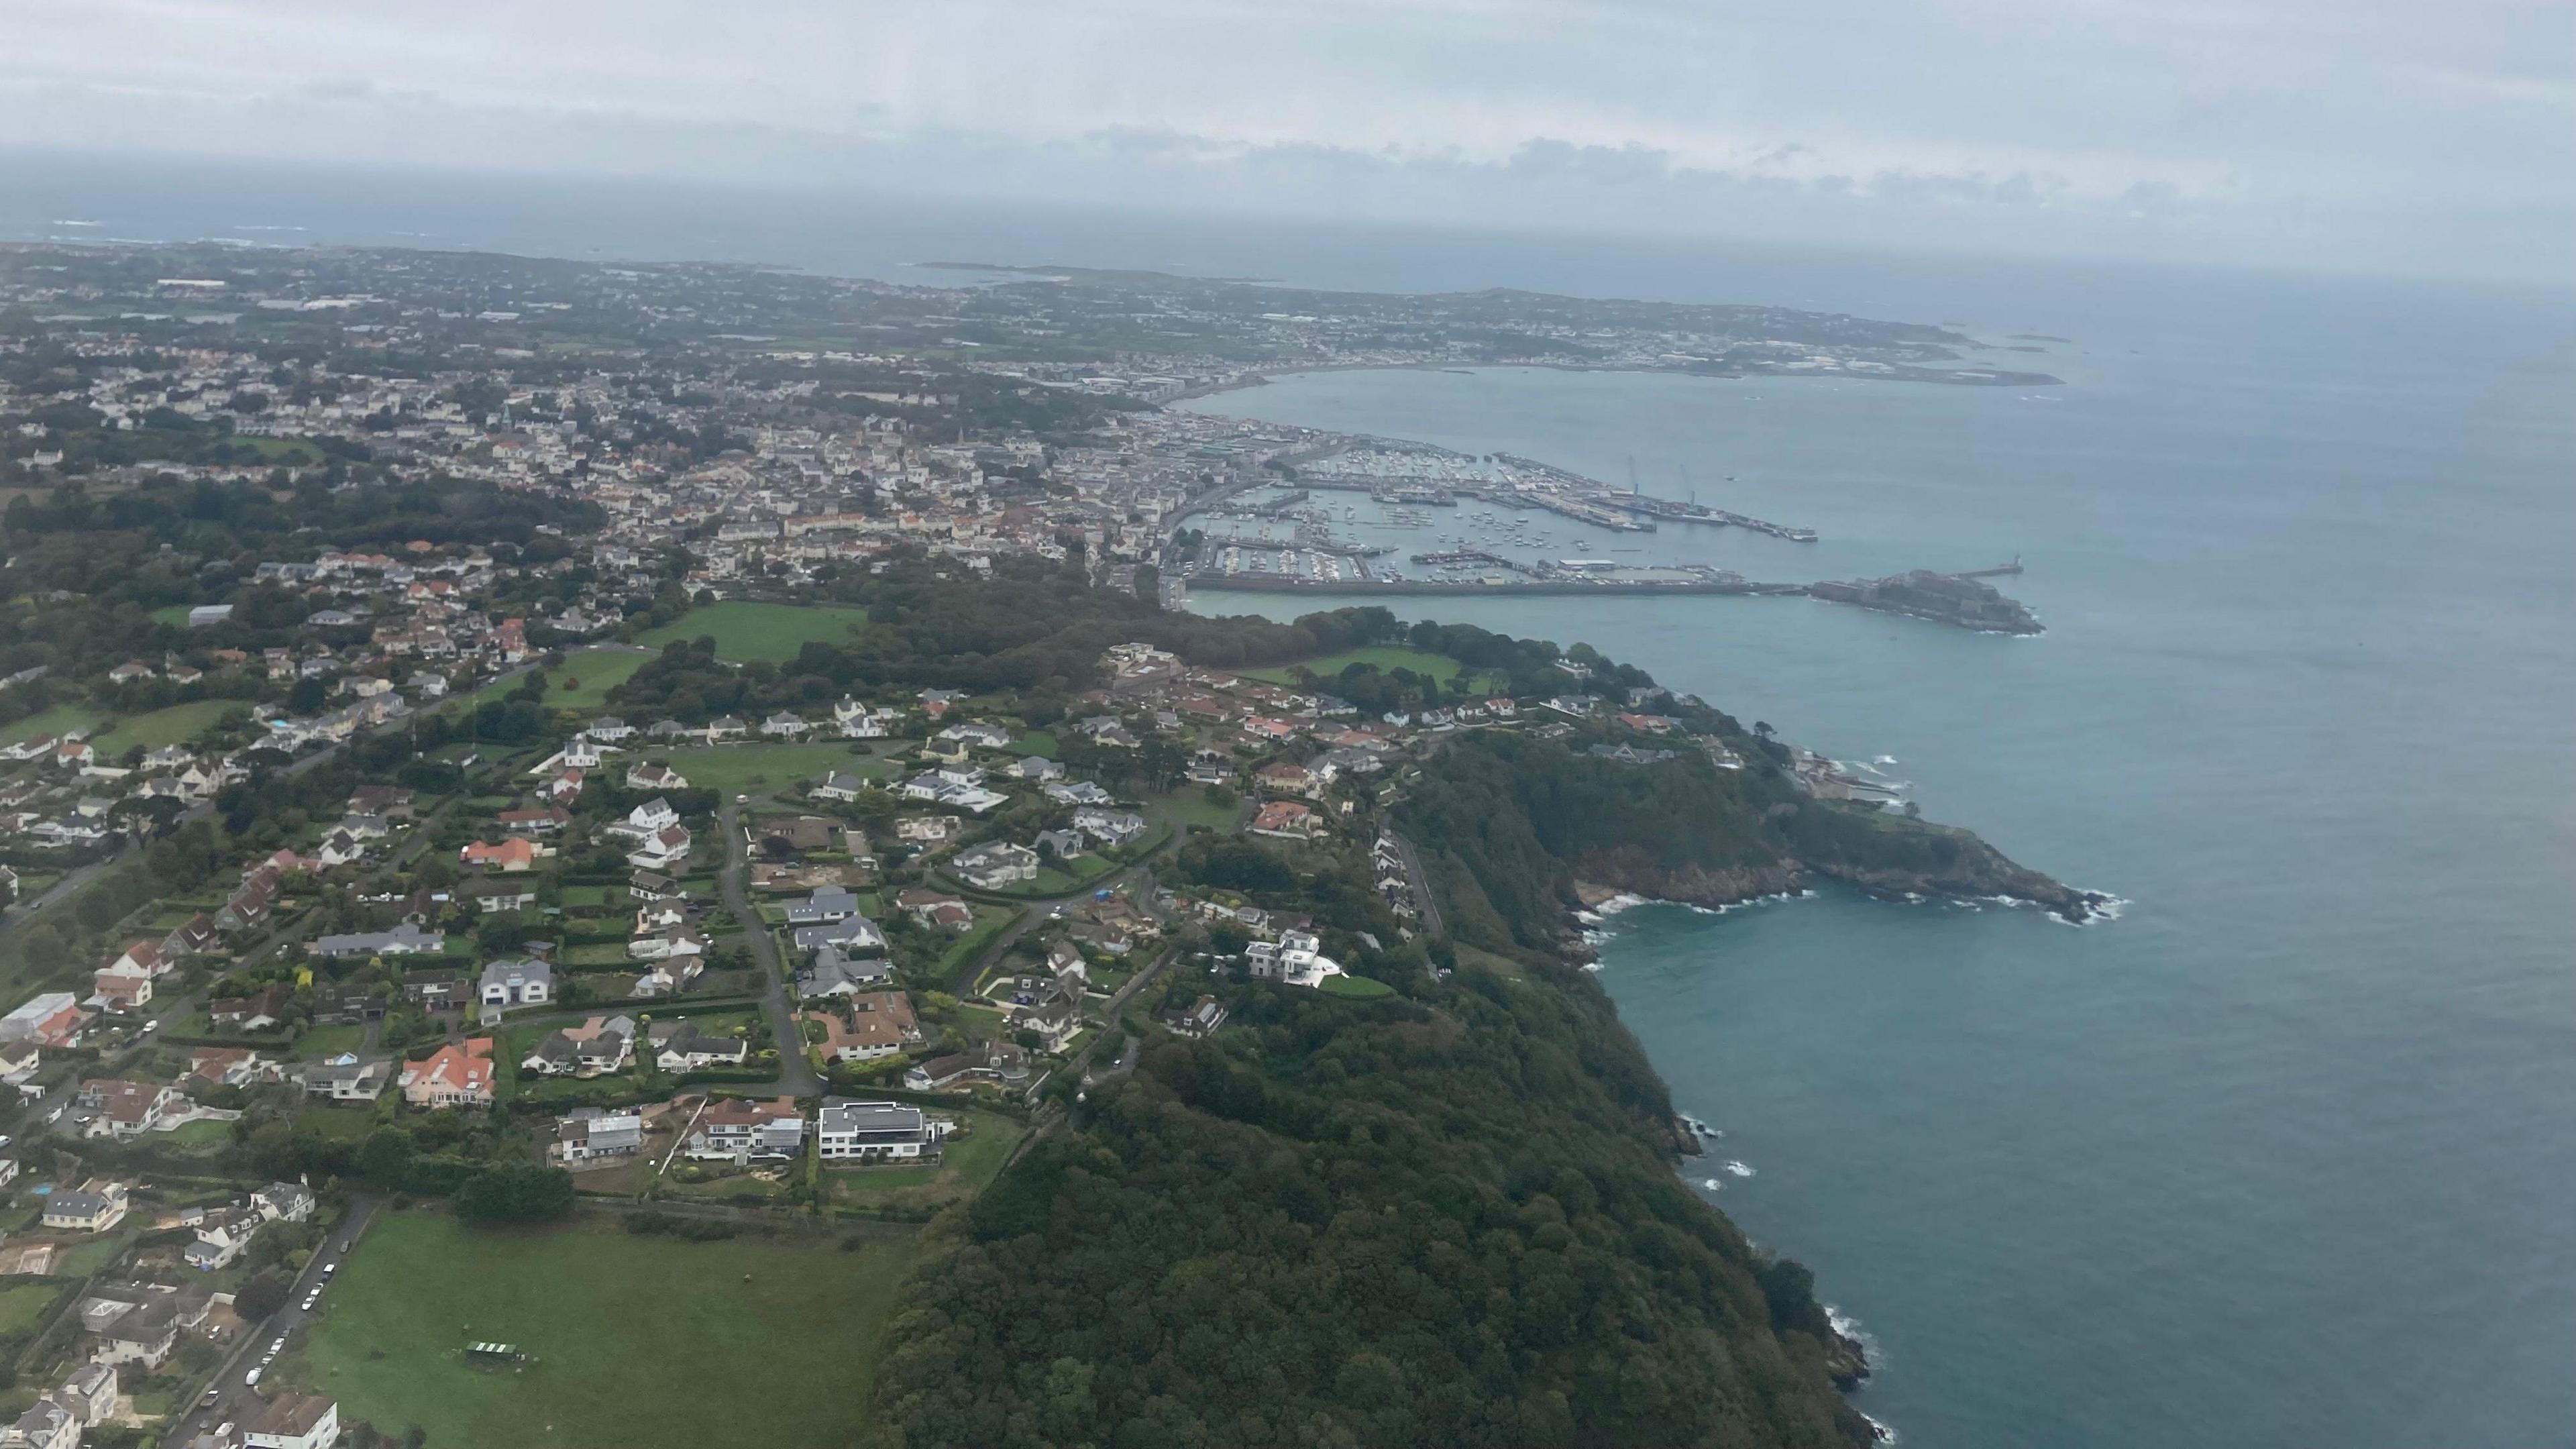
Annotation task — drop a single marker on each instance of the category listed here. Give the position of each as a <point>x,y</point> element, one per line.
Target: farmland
<point>605,1317</point>
<point>745,631</point>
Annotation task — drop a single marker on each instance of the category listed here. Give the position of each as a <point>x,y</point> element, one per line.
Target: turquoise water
<point>2284,1155</point>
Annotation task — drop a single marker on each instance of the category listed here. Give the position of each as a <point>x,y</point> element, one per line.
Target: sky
<point>2411,136</point>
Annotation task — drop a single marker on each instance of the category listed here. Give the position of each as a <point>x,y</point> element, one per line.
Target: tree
<point>262,1294</point>
<point>519,1192</point>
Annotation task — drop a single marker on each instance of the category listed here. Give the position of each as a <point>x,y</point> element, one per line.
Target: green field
<point>52,722</point>
<point>966,1163</point>
<point>745,631</point>
<point>628,1336</point>
<point>173,726</point>
<point>1035,742</point>
<point>1387,657</point>
<point>323,1042</point>
<point>21,1304</point>
<point>1358,988</point>
<point>742,769</point>
<point>583,682</point>
<point>1189,806</point>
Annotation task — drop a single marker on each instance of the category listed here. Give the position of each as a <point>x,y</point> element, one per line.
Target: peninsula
<point>656,755</point>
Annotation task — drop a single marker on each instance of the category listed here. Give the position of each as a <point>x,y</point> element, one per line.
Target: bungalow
<point>985,1062</point>
<point>667,976</point>
<point>685,1049</point>
<point>509,856</point>
<point>403,940</point>
<point>452,1076</point>
<point>645,775</point>
<point>535,819</point>
<point>850,933</point>
<point>977,735</point>
<point>1287,820</point>
<point>198,935</point>
<point>1080,793</point>
<point>491,897</point>
<point>827,904</point>
<point>610,728</point>
<point>644,885</point>
<point>257,1012</point>
<point>667,945</point>
<point>939,912</point>
<point>727,727</point>
<point>838,786</point>
<point>945,751</point>
<point>1036,768</point>
<point>785,726</point>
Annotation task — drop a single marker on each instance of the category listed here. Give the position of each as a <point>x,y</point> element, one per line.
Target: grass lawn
<point>202,1135</point>
<point>1056,880</point>
<point>626,1334</point>
<point>176,725</point>
<point>329,1041</point>
<point>172,614</point>
<point>21,1304</point>
<point>52,722</point>
<point>742,769</point>
<point>90,1256</point>
<point>745,631</point>
<point>582,683</point>
<point>1358,988</point>
<point>1189,806</point>
<point>1387,657</point>
<point>967,1162</point>
<point>1035,742</point>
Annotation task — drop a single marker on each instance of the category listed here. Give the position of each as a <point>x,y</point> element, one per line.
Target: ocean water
<point>2287,1154</point>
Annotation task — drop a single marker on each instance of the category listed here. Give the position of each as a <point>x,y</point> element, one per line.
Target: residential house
<point>996,864</point>
<point>833,974</point>
<point>45,1425</point>
<point>1287,820</point>
<point>452,1076</point>
<point>491,897</point>
<point>645,775</point>
<point>52,1018</point>
<point>403,940</point>
<point>594,1134</point>
<point>345,1078</point>
<point>664,850</point>
<point>739,1129</point>
<point>680,1047</point>
<point>880,1024</point>
<point>508,857</point>
<point>121,1109</point>
<point>985,1062</point>
<point>293,1421</point>
<point>435,988</point>
<point>515,981</point>
<point>838,786</point>
<point>93,1207</point>
<point>260,1011</point>
<point>850,1131</point>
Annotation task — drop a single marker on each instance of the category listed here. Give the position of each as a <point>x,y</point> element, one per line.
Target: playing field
<point>582,682</point>
<point>740,769</point>
<point>745,631</point>
<point>173,726</point>
<point>632,1340</point>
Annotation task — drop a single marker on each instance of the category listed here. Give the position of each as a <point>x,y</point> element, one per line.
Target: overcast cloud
<point>2397,134</point>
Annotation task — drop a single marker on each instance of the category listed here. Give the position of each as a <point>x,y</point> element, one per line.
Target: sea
<point>2283,1154</point>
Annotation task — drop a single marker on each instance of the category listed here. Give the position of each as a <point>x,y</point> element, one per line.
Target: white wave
<point>1588,918</point>
<point>1620,902</point>
<point>1712,1184</point>
<point>1886,1432</point>
<point>1884,760</point>
<point>1738,1168</point>
<point>66,221</point>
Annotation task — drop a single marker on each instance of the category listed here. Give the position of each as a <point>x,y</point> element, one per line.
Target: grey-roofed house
<point>402,940</point>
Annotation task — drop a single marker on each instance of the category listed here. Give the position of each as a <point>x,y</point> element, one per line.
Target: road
<point>234,1394</point>
<point>1420,882</point>
<point>796,1074</point>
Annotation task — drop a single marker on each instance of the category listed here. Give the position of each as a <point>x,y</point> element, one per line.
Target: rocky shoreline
<point>1981,873</point>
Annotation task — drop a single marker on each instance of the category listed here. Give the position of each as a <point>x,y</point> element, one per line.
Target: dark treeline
<point>1441,1221</point>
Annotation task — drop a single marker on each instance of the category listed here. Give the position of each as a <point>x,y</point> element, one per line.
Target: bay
<point>2283,1154</point>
